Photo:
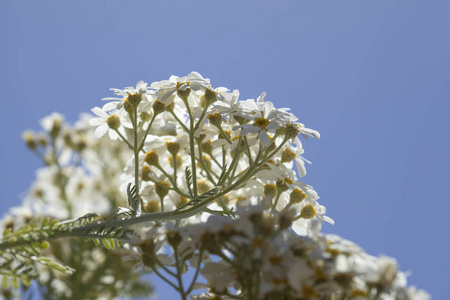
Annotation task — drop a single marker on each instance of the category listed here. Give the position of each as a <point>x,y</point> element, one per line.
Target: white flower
<point>107,121</point>
<point>167,88</point>
<point>265,119</point>
<point>141,89</point>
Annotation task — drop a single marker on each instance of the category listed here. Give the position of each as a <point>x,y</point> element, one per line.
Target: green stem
<point>136,162</point>
<point>197,271</point>
<point>179,121</point>
<point>124,139</point>
<point>179,272</point>
<point>192,150</point>
<point>146,133</point>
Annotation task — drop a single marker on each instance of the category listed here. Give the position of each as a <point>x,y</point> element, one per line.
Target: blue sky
<point>371,76</point>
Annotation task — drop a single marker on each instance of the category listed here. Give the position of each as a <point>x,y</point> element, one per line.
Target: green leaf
<point>56,266</point>
<point>5,282</point>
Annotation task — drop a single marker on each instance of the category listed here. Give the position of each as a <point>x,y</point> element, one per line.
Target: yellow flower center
<point>261,122</point>
<point>308,212</point>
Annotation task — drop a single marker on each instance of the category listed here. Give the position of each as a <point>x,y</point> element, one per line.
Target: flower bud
<point>56,128</point>
<point>291,131</point>
<point>308,212</point>
<point>207,147</point>
<point>152,206</point>
<point>152,158</point>
<point>203,186</point>
<point>146,116</point>
<point>162,189</point>
<point>135,99</point>
<point>145,175</point>
<point>270,191</point>
<point>174,238</point>
<point>28,137</point>
<point>113,122</point>
<point>173,147</point>
<point>282,186</point>
<point>287,156</point>
<point>178,159</point>
<point>158,107</point>
<point>128,107</point>
<point>148,252</point>
<point>215,119</point>
<point>210,97</point>
<point>296,196</point>
<point>184,93</point>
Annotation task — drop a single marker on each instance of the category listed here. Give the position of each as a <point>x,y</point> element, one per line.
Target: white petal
<point>113,134</point>
<point>300,167</point>
<point>261,97</point>
<point>96,121</point>
<point>250,129</point>
<point>99,112</point>
<point>101,130</point>
<point>328,220</point>
<point>265,139</point>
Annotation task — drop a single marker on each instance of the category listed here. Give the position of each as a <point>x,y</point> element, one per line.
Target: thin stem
<point>61,179</point>
<point>197,271</point>
<point>232,166</point>
<point>225,136</point>
<point>249,153</point>
<point>136,162</point>
<point>146,133</point>
<point>164,278</point>
<point>124,139</point>
<point>174,183</point>
<point>179,121</point>
<point>204,167</point>
<point>192,150</point>
<point>180,281</point>
<point>277,198</point>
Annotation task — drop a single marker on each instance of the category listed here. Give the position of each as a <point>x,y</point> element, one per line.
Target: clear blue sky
<point>373,77</point>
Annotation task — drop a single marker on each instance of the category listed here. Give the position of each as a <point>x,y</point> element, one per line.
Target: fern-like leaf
<point>188,175</point>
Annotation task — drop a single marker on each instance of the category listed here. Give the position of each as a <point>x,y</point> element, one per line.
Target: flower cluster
<point>211,184</point>
<point>190,138</point>
<point>255,256</point>
<point>81,175</point>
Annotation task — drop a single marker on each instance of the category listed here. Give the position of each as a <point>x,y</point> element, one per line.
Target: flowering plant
<point>188,177</point>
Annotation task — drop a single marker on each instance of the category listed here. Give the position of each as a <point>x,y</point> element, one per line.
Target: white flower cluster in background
<point>212,186</point>
<point>256,254</point>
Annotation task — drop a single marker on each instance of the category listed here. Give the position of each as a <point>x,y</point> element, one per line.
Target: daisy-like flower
<point>291,153</point>
<point>106,121</point>
<point>167,88</point>
<point>265,119</point>
<point>141,90</point>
